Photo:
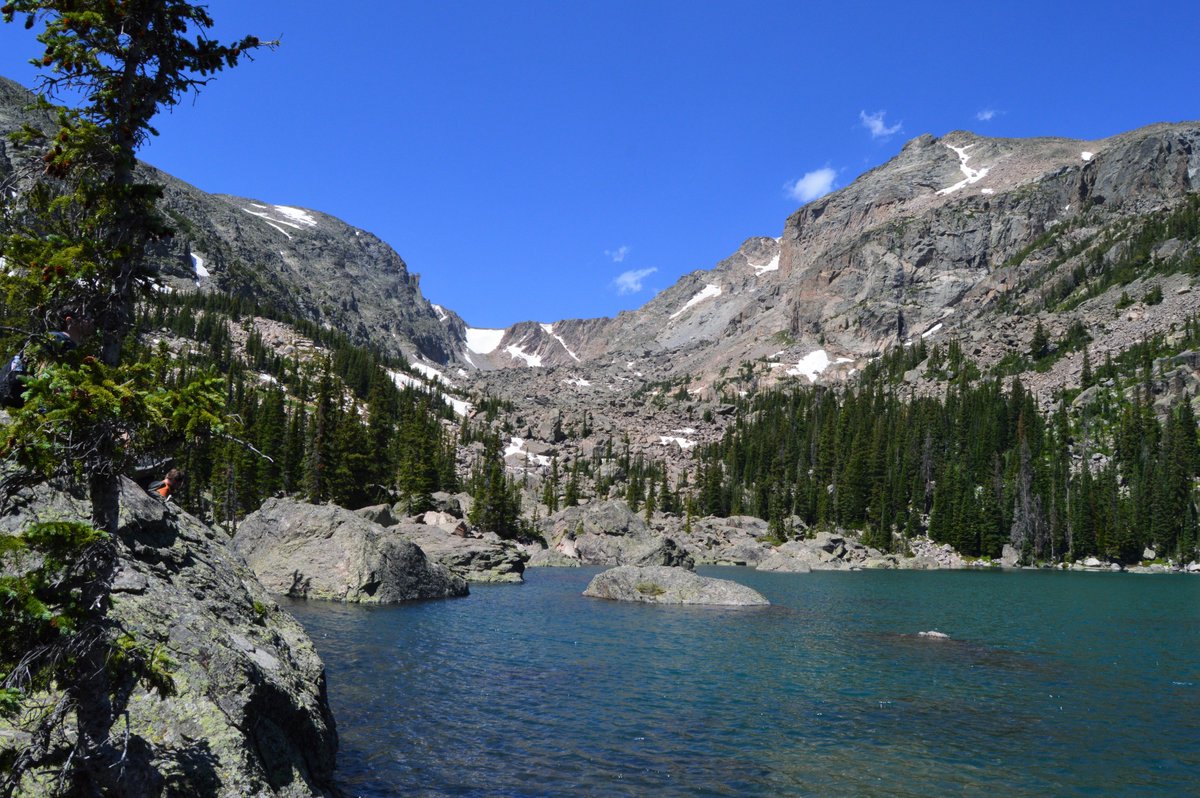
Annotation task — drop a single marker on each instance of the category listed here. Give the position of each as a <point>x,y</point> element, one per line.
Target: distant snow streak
<point>549,330</point>
<point>1087,156</point>
<point>708,292</point>
<point>403,380</point>
<point>972,175</point>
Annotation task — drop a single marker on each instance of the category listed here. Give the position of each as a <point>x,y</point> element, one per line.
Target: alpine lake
<point>1049,683</point>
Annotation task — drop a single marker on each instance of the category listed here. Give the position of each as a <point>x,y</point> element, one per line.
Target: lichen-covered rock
<point>326,552</point>
<point>250,717</point>
<point>658,584</point>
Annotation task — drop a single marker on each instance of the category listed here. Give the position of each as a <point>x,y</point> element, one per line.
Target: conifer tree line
<point>330,427</point>
<point>979,467</point>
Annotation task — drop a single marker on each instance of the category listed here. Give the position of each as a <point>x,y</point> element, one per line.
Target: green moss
<point>649,589</point>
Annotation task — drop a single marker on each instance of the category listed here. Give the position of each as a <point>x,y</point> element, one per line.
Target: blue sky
<point>540,160</point>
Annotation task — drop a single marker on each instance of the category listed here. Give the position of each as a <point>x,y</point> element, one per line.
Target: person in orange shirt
<point>168,485</point>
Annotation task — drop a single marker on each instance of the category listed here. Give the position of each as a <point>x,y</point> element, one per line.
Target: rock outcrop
<point>608,533</point>
<point>326,552</point>
<point>250,716</point>
<point>670,585</point>
<point>486,558</point>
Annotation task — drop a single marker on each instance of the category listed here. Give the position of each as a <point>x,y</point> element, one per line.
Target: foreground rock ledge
<point>660,584</point>
<point>250,717</point>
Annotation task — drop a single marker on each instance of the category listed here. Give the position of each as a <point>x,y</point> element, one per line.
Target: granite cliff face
<point>950,239</point>
<point>948,236</point>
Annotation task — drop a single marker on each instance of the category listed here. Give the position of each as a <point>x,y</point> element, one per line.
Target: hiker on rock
<point>169,485</point>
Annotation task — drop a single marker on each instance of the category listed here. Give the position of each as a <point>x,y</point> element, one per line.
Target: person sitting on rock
<point>168,485</point>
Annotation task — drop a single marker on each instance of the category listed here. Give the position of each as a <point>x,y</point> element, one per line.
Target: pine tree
<point>77,242</point>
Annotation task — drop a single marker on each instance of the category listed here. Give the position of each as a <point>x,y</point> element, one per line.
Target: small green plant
<point>1153,295</point>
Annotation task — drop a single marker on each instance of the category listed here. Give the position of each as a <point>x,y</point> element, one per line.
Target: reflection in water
<point>534,690</point>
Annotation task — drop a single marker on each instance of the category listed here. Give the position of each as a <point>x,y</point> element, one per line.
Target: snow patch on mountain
<point>517,353</point>
<point>516,446</point>
<point>430,372</point>
<point>298,217</point>
<point>772,266</point>
<point>708,292</point>
<point>483,342</point>
<point>198,268</point>
<point>812,364</point>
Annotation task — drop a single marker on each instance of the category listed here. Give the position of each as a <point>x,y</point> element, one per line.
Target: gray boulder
<point>379,514</point>
<point>250,716</point>
<point>484,559</point>
<point>326,552</point>
<point>609,533</point>
<point>670,585</point>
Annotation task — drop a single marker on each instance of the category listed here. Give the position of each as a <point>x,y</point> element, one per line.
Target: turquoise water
<point>1052,684</point>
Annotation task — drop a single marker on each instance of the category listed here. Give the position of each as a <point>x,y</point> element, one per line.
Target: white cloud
<point>874,123</point>
<point>630,282</point>
<point>986,115</point>
<point>814,184</point>
<point>618,254</point>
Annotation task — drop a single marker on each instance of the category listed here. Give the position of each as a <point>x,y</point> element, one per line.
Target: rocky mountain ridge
<point>948,236</point>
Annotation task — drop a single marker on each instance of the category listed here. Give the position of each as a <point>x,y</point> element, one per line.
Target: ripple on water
<point>534,690</point>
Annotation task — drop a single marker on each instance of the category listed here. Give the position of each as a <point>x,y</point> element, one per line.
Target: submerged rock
<point>670,585</point>
<point>250,716</point>
<point>326,552</point>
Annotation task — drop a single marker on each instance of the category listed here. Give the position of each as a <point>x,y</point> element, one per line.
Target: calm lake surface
<point>1052,684</point>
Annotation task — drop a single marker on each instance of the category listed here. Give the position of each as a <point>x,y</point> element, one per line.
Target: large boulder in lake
<point>658,584</point>
<point>326,552</point>
<point>609,533</point>
<point>486,558</point>
<point>250,715</point>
